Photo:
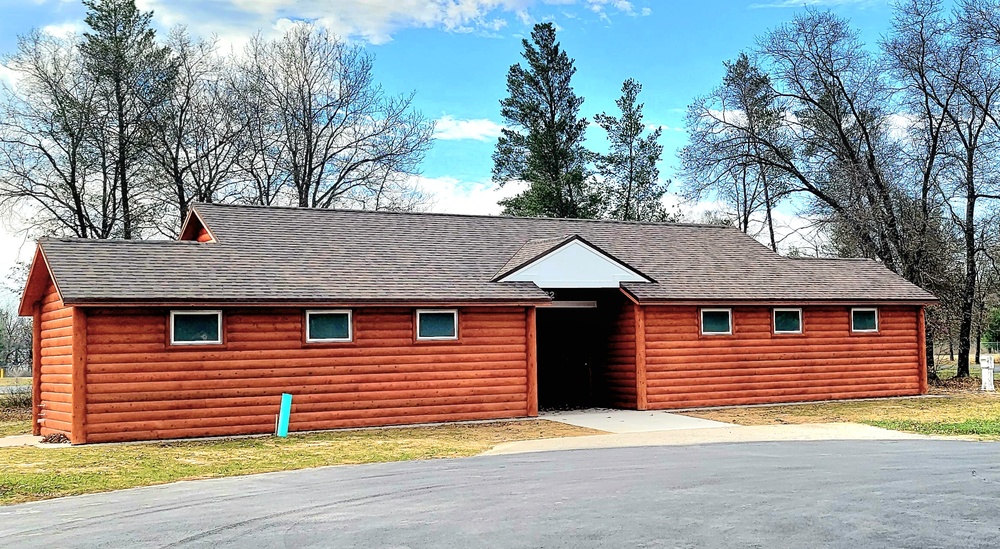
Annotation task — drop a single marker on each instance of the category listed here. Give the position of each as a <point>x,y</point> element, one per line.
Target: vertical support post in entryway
<point>531,344</point>
<point>641,402</point>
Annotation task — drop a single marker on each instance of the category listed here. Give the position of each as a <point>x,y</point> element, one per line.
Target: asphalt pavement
<point>850,494</point>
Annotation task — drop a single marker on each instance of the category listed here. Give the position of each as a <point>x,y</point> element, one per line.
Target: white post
<point>986,363</point>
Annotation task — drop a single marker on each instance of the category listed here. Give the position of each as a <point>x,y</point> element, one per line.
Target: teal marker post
<point>283,414</point>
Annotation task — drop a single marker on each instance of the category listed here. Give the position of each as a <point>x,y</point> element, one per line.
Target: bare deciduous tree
<point>948,62</point>
<point>15,340</point>
<point>324,121</point>
<point>723,160</point>
<point>197,129</point>
<point>46,141</point>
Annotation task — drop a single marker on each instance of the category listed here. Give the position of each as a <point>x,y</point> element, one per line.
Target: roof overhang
<point>38,277</point>
<point>257,303</point>
<point>779,302</point>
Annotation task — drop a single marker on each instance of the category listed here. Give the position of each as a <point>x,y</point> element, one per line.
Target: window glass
<point>196,327</point>
<point>329,326</point>
<point>436,325</point>
<point>864,320</point>
<point>788,320</point>
<point>715,322</point>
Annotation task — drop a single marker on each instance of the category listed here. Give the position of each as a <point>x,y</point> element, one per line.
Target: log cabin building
<point>372,318</point>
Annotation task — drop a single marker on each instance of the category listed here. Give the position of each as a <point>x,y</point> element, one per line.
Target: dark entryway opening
<point>572,343</point>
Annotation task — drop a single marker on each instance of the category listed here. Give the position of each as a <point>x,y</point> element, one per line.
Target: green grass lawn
<point>984,429</point>
<point>15,422</point>
<point>28,473</point>
<point>967,414</point>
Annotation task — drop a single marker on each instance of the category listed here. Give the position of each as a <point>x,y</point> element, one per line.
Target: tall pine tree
<point>542,143</point>
<point>134,76</point>
<point>631,179</point>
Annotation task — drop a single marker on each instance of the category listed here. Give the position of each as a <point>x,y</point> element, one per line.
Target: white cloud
<point>623,7</point>
<point>372,21</point>
<point>451,195</point>
<point>64,30</point>
<point>901,123</point>
<point>8,77</point>
<point>479,129</point>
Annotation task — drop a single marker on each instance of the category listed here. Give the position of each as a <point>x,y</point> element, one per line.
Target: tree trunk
<point>969,288</point>
<point>979,344</point>
<point>931,366</point>
<point>121,162</point>
<point>767,209</point>
<point>979,330</point>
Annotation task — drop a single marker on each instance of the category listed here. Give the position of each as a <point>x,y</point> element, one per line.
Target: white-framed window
<point>195,327</point>
<point>864,319</point>
<point>716,321</point>
<point>787,321</point>
<point>329,326</point>
<point>437,324</point>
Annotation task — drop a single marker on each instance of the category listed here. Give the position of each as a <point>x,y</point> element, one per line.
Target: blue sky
<point>455,53</point>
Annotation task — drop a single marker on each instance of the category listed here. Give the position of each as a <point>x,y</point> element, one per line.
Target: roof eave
<point>837,301</point>
<point>234,302</point>
<point>34,288</point>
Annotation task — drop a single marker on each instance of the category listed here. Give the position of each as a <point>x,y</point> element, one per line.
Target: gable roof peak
<point>537,251</point>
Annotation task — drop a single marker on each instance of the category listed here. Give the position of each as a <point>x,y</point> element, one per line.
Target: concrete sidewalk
<point>630,421</point>
<point>733,433</point>
<point>27,440</point>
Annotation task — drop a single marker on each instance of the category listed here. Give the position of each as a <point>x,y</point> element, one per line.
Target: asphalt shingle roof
<point>300,255</point>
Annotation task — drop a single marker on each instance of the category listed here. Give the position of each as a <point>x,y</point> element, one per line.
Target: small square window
<point>788,321</point>
<point>716,321</point>
<point>328,326</point>
<point>864,320</point>
<point>437,324</point>
<point>195,327</point>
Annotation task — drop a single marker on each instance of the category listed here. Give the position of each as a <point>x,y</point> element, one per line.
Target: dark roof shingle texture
<point>314,256</point>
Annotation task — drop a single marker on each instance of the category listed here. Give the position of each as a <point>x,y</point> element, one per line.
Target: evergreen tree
<point>134,76</point>
<point>632,187</point>
<point>543,141</point>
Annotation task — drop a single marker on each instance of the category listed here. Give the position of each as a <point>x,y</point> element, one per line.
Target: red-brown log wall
<point>56,405</point>
<point>754,366</point>
<point>139,387</point>
<point>619,374</point>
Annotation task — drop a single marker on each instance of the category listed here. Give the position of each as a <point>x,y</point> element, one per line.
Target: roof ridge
<point>447,214</point>
<point>833,258</point>
<point>115,240</point>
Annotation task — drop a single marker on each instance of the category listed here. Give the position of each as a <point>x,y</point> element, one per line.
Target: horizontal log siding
<point>619,376</point>
<point>56,379</point>
<point>141,388</point>
<point>754,366</point>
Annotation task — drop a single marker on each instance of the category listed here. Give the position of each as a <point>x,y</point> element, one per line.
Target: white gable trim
<point>575,264</point>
